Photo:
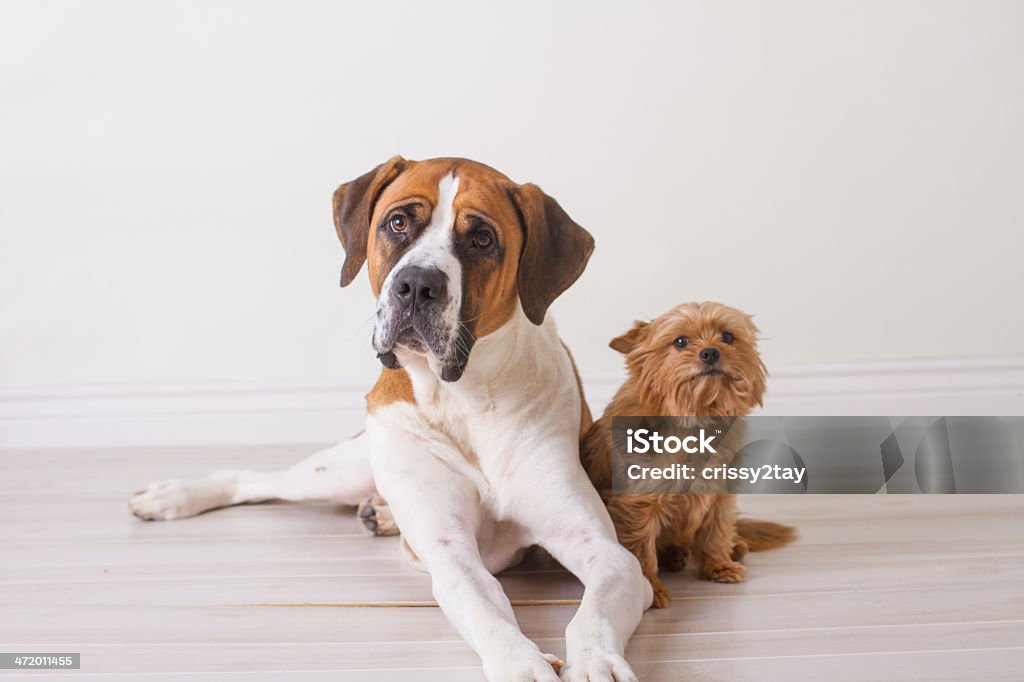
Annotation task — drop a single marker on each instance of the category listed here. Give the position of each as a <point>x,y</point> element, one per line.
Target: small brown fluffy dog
<point>698,359</point>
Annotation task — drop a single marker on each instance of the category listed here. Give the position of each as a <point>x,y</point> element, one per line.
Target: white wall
<point>851,172</point>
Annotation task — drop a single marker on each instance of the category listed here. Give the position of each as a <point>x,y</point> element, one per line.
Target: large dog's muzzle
<point>417,314</point>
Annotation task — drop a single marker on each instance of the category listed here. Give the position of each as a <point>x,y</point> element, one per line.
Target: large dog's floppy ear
<point>628,341</point>
<point>353,206</point>
<point>555,250</point>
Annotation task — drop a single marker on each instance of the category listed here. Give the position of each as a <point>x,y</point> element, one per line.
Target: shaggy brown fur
<point>668,377</point>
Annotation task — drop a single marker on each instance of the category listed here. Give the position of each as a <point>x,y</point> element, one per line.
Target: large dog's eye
<point>398,223</point>
<point>483,239</point>
<point>681,342</point>
<point>728,337</point>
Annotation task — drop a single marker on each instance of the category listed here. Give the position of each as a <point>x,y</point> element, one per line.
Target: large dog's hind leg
<point>375,515</point>
<point>338,474</point>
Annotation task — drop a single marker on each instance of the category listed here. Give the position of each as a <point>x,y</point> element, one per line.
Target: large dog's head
<point>453,247</point>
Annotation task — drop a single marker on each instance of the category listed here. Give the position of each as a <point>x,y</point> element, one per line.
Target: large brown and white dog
<point>472,432</point>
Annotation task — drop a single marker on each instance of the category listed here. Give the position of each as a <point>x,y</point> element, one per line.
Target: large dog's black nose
<point>415,285</point>
<point>710,355</point>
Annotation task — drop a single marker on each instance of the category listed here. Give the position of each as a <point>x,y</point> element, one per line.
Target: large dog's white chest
<point>519,391</point>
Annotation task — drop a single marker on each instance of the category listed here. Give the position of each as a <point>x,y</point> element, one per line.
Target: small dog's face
<point>696,359</point>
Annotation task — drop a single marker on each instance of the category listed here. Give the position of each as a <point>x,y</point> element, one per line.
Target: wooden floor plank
<point>889,518</point>
<point>344,557</point>
<point>131,623</point>
<point>346,553</point>
<point>199,586</point>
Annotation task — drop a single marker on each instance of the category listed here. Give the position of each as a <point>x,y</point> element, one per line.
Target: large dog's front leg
<point>438,510</point>
<point>579,534</point>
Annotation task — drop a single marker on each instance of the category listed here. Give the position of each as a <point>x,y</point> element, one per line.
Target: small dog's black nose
<point>710,355</point>
<point>417,285</point>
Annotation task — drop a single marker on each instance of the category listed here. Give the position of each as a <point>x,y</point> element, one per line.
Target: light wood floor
<point>878,587</point>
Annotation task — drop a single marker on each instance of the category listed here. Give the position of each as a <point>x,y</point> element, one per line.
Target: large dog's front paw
<point>606,666</point>
<point>175,499</point>
<point>375,514</point>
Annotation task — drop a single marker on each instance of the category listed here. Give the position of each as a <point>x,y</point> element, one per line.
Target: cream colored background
<point>853,173</point>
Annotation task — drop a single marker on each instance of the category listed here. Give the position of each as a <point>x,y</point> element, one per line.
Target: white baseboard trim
<point>326,411</point>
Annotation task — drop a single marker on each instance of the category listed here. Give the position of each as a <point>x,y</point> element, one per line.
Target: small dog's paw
<point>672,558</point>
<point>598,665</point>
<point>375,514</point>
<point>739,549</point>
<point>166,501</point>
<point>661,596</point>
<point>728,572</point>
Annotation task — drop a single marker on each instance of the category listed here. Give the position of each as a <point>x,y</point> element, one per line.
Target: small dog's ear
<point>555,250</point>
<point>628,341</point>
<point>353,206</point>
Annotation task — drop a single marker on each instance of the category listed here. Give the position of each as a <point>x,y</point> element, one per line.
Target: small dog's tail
<point>761,535</point>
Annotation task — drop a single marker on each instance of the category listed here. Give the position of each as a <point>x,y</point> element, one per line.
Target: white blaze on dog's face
<point>452,247</point>
<point>419,302</point>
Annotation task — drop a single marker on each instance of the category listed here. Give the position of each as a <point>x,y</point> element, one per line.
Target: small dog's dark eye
<point>681,342</point>
<point>728,337</point>
<point>483,239</point>
<point>398,223</point>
